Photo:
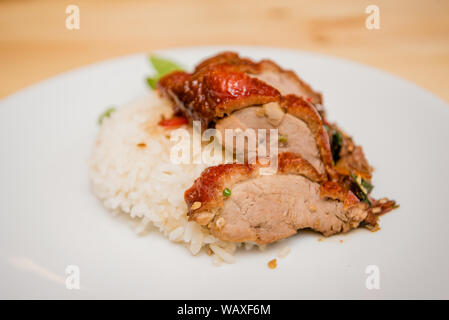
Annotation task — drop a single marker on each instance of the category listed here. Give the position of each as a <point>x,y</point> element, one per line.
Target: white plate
<point>50,219</point>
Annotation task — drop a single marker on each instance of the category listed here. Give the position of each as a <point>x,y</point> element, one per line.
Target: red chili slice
<point>173,122</point>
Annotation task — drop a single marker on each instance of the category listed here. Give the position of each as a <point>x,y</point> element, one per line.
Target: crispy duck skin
<point>227,57</point>
<point>215,91</point>
<point>227,82</point>
<point>264,68</point>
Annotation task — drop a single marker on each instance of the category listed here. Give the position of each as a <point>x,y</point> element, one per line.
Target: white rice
<point>284,251</point>
<point>142,181</point>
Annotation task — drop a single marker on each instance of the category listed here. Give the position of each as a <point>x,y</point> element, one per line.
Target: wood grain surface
<point>412,42</point>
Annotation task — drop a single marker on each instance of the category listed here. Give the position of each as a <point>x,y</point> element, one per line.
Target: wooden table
<point>412,42</point>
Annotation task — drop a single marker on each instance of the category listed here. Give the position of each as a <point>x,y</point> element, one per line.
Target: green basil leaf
<point>106,114</point>
<point>164,66</point>
<point>152,81</point>
<point>363,188</point>
<point>368,186</point>
<point>336,144</point>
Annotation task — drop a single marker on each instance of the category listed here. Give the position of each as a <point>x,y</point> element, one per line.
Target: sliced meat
<point>286,81</point>
<point>299,125</point>
<point>270,208</point>
<point>295,136</point>
<point>215,91</point>
<point>225,84</point>
<point>266,208</point>
<point>303,110</point>
<point>230,92</point>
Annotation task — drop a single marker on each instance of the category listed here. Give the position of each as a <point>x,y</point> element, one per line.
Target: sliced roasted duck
<point>238,204</point>
<point>323,180</point>
<point>224,95</point>
<point>285,81</point>
<point>300,129</point>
